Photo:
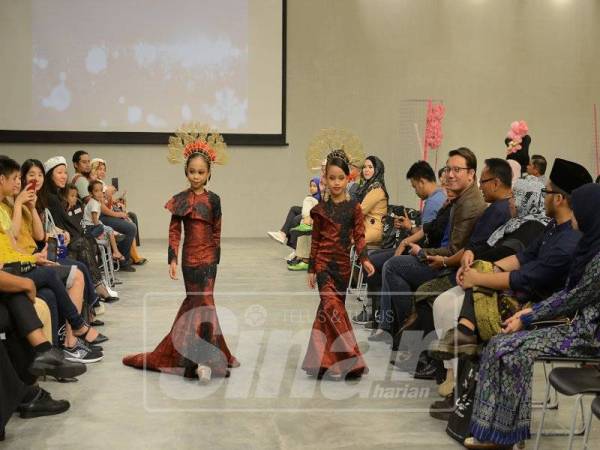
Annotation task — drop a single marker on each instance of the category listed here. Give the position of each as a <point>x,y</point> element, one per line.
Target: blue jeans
<point>126,228</point>
<point>402,275</point>
<point>44,277</point>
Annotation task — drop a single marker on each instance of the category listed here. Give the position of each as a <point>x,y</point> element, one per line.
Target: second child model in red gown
<point>337,221</point>
<point>195,346</point>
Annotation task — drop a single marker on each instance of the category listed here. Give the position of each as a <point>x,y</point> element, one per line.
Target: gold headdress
<point>197,138</point>
<point>330,139</point>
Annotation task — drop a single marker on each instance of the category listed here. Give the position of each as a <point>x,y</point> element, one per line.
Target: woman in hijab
<point>373,198</point>
<point>502,408</point>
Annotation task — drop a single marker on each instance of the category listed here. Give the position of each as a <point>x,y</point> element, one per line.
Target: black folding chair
<point>578,381</point>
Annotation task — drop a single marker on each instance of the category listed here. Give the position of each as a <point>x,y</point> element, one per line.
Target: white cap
<point>53,162</point>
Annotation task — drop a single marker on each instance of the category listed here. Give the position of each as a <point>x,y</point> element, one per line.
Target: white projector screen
<point>134,70</point>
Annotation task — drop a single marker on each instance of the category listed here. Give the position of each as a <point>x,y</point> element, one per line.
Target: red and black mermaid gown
<point>195,336</point>
<point>332,349</point>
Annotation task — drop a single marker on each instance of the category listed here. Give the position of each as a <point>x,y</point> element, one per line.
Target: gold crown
<point>197,138</point>
<point>330,142</point>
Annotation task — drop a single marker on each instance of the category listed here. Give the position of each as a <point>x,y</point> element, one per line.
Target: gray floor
<point>268,403</point>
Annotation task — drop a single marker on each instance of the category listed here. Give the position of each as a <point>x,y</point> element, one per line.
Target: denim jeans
<point>47,277</point>
<point>402,275</point>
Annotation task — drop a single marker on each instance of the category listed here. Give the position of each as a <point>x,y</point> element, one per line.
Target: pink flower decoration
<point>433,129</point>
<point>518,129</point>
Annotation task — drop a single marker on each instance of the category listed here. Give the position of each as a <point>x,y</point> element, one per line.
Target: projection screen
<point>132,71</point>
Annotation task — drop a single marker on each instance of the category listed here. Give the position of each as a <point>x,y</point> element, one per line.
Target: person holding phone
<point>114,214</point>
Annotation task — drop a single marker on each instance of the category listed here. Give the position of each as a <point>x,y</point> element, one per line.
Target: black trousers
<point>378,259</point>
<point>292,220</point>
<point>468,307</point>
<point>12,388</point>
<point>18,314</point>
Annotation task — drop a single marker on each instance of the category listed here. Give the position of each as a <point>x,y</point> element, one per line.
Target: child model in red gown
<point>332,351</point>
<point>195,346</point>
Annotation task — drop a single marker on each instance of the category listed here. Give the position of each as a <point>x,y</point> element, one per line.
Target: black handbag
<point>391,235</point>
<point>460,420</point>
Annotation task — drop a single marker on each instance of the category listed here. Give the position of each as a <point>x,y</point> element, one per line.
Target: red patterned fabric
<point>332,348</point>
<point>196,336</point>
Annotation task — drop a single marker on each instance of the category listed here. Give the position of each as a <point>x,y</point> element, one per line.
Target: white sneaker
<point>278,236</point>
<point>112,292</point>
<point>204,374</point>
<point>290,256</point>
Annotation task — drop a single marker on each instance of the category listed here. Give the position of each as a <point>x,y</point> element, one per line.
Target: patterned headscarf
<point>529,202</point>
<point>376,181</point>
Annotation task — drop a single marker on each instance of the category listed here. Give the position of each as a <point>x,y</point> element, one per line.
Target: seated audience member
<point>495,184</point>
<point>537,167</point>
<point>531,275</point>
<point>32,174</point>
<point>81,179</point>
<point>502,406</point>
<point>31,266</point>
<point>373,198</point>
<point>299,260</point>
<point>91,219</point>
<point>434,219</point>
<point>53,206</point>
<point>25,354</point>
<point>405,273</point>
<point>514,236</point>
<point>117,205</point>
<point>294,217</point>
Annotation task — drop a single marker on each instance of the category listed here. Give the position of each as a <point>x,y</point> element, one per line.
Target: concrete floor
<point>268,403</point>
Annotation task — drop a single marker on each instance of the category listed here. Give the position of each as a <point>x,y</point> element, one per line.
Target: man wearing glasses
<point>535,273</point>
<point>403,274</point>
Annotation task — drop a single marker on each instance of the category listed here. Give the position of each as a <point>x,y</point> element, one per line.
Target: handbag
<point>458,427</point>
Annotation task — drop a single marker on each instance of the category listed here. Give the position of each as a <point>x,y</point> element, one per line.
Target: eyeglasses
<point>547,191</point>
<point>486,180</point>
<point>454,170</point>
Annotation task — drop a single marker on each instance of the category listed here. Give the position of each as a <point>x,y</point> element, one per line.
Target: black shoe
<point>127,268</point>
<point>425,372</point>
<point>52,362</point>
<point>442,410</point>
<point>141,262</point>
<point>109,299</point>
<point>295,260</point>
<point>97,323</point>
<point>42,405</point>
<point>99,340</point>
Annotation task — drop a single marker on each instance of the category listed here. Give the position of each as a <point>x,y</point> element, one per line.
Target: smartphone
<point>115,183</point>
<point>52,249</point>
<point>32,185</point>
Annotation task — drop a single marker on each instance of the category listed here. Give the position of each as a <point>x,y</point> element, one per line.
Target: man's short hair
<point>77,156</point>
<point>500,168</point>
<point>540,163</point>
<point>8,166</point>
<point>468,156</point>
<point>421,170</point>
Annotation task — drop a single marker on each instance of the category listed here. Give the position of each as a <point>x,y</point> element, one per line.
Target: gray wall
<point>353,64</point>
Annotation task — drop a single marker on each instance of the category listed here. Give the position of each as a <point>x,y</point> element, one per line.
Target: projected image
<point>130,65</point>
